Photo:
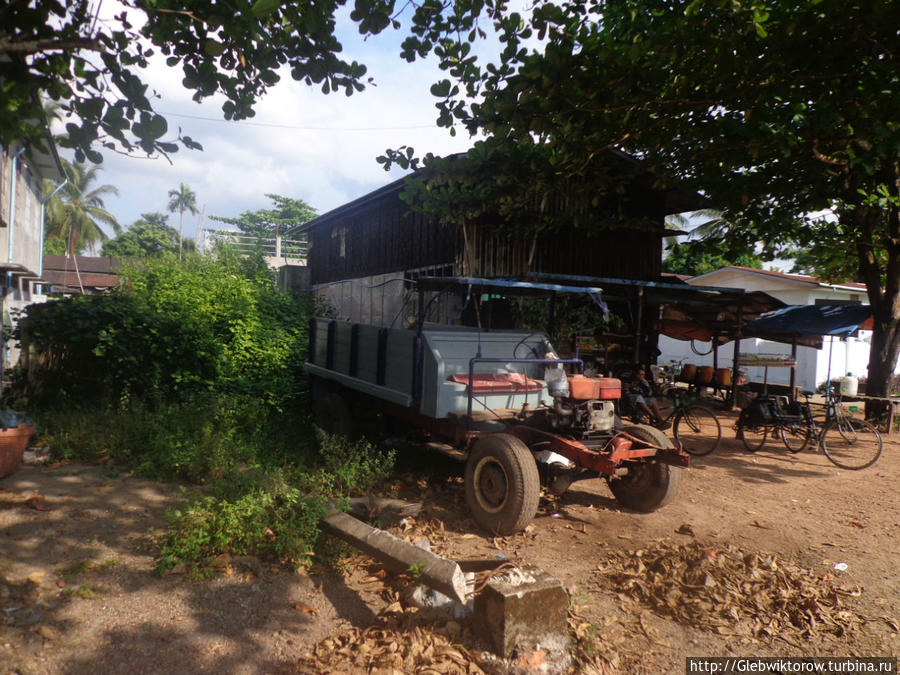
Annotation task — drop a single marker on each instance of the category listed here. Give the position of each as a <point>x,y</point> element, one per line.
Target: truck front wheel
<point>502,484</point>
<point>648,485</point>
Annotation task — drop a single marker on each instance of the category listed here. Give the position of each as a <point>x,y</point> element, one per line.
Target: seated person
<point>641,394</point>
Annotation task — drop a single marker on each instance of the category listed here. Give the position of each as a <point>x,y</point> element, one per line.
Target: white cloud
<point>326,157</point>
<point>301,143</point>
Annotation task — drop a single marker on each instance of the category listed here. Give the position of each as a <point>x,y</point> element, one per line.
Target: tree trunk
<point>883,355</point>
<point>180,230</point>
<point>882,278</point>
<point>75,259</point>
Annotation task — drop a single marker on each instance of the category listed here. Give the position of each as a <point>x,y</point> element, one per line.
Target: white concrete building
<point>847,356</point>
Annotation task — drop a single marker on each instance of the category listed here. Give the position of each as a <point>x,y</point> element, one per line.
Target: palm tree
<point>181,200</point>
<point>711,224</point>
<point>74,213</point>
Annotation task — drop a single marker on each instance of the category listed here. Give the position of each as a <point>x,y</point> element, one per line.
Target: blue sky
<point>301,144</point>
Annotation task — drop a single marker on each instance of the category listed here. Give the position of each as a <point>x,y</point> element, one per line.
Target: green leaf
<point>262,8</point>
<point>441,89</point>
<point>213,47</point>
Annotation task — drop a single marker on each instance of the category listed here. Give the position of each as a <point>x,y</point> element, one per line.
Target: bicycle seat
<point>807,393</point>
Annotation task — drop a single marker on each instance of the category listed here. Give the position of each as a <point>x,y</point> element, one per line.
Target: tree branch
<point>825,158</point>
<point>36,46</point>
<point>183,12</point>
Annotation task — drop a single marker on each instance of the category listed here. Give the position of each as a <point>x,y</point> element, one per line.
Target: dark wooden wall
<point>627,254</point>
<point>381,234</point>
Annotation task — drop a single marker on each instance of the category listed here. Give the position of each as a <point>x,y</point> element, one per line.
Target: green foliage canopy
<point>148,237</point>
<point>286,213</point>
<point>93,68</point>
<point>694,258</point>
<point>237,51</point>
<point>774,110</point>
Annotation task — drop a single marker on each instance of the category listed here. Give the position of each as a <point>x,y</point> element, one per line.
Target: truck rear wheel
<point>648,485</point>
<point>502,484</point>
<point>333,414</point>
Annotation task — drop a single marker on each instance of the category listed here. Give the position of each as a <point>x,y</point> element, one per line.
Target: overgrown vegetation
<point>192,370</point>
<point>271,513</point>
<point>174,333</point>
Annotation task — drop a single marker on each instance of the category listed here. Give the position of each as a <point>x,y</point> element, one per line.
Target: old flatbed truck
<point>499,400</point>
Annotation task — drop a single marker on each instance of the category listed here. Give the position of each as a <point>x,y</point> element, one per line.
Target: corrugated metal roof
<point>800,278</point>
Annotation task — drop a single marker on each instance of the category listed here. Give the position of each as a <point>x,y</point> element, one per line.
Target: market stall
<point>808,324</point>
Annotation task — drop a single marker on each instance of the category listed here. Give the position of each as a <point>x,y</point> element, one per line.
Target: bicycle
<point>847,442</point>
<point>766,416</point>
<point>696,428</point>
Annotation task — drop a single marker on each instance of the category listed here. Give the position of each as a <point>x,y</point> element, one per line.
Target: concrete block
<point>521,611</point>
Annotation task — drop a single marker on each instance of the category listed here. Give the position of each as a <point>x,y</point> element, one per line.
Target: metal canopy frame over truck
<point>534,422</point>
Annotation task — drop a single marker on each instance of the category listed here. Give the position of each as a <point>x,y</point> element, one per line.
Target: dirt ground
<point>77,594</point>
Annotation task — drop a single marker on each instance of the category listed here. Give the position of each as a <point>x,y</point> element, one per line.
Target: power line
<point>298,127</point>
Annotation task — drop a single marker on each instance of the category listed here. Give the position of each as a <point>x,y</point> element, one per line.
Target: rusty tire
<point>332,414</point>
<point>648,485</point>
<point>502,484</point>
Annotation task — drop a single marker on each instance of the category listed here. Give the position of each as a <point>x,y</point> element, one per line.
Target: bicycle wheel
<point>751,432</point>
<point>851,444</point>
<point>796,436</point>
<point>697,430</point>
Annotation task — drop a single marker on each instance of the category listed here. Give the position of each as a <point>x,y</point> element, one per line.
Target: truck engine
<point>586,406</point>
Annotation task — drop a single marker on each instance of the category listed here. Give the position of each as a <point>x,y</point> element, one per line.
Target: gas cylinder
<point>849,385</point>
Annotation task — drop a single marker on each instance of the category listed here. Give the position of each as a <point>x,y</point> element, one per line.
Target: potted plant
<point>16,431</point>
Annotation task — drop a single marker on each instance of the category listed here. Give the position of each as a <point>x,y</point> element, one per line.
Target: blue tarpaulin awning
<point>809,321</point>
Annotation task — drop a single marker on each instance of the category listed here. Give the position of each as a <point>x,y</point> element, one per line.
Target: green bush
<point>199,440</point>
<point>274,513</point>
<point>172,330</point>
<point>260,514</point>
<point>352,467</point>
<point>187,370</point>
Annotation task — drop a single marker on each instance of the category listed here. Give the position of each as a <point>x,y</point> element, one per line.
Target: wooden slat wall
<point>621,253</point>
<point>386,236</point>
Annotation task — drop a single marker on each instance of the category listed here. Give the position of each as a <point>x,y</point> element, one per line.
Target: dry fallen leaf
<point>221,562</point>
<point>730,591</point>
<point>380,575</point>
<point>38,502</point>
<point>306,609</point>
